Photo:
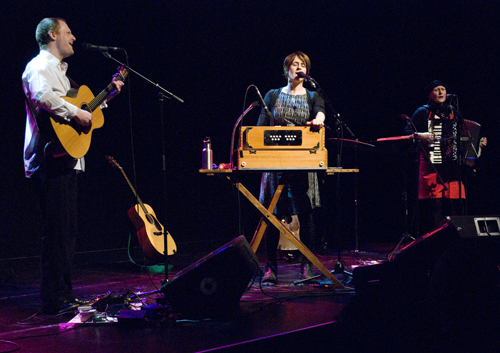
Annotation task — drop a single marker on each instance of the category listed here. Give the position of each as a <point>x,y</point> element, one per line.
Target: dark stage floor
<point>384,312</point>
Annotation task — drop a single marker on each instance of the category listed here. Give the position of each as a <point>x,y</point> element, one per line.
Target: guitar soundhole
<point>152,220</point>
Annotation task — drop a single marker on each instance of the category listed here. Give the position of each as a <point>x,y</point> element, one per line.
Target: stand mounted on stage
<point>291,148</point>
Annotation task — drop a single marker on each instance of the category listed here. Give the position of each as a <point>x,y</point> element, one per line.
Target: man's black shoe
<point>63,308</point>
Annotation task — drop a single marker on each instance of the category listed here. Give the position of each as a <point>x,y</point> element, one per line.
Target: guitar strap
<point>73,83</point>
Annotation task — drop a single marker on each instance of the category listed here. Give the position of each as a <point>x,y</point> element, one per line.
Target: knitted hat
<point>434,84</point>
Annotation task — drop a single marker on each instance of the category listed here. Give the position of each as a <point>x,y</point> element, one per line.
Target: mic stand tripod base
<point>300,281</point>
<point>340,270</point>
<point>403,237</point>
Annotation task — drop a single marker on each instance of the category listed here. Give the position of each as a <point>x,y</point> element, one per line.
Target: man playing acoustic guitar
<point>44,83</point>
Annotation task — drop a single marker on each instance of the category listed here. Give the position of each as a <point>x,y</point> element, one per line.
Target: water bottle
<point>208,156</point>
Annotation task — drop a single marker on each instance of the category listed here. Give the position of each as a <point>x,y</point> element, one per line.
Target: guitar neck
<point>97,101</point>
<point>139,201</point>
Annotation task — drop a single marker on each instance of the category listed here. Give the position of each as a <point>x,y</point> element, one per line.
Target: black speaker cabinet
<point>476,226</point>
<point>213,285</point>
<point>460,248</point>
<point>468,230</point>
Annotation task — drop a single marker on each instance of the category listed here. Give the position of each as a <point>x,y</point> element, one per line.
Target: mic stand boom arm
<point>168,94</point>
<point>338,120</point>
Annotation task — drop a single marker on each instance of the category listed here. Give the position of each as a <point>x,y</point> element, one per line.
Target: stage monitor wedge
<point>458,248</point>
<point>476,226</point>
<point>213,286</point>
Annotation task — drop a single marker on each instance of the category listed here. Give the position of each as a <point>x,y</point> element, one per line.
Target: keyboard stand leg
<point>269,217</point>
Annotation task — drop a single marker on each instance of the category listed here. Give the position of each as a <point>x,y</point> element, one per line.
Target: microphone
<point>253,105</point>
<point>450,95</point>
<point>303,75</point>
<point>87,46</point>
<point>264,105</point>
<point>307,78</point>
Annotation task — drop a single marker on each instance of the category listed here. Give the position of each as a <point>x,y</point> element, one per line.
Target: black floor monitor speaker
<point>460,247</point>
<point>213,285</point>
<point>453,230</point>
<point>445,285</point>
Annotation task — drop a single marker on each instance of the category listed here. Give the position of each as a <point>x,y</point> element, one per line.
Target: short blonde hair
<point>44,27</point>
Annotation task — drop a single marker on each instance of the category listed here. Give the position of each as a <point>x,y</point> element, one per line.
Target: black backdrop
<point>371,58</point>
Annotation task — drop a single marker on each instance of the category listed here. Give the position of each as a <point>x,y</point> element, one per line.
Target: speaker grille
<point>214,284</point>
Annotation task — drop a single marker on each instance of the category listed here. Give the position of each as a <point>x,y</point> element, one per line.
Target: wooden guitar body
<point>70,137</point>
<point>150,232</point>
<point>74,138</point>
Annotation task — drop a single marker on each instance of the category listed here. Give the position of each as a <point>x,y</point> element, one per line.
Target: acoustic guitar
<point>150,232</point>
<point>72,138</point>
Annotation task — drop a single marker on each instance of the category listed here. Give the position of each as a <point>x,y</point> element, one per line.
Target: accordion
<point>448,144</point>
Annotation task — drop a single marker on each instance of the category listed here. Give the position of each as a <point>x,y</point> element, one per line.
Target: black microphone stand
<point>162,94</point>
<point>419,149</point>
<point>340,125</point>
